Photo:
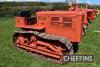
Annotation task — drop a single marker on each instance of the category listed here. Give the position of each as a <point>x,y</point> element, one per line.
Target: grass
<point>10,57</point>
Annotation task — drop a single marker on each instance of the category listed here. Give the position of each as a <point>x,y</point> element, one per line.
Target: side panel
<point>20,21</point>
<point>61,25</point>
<point>66,25</point>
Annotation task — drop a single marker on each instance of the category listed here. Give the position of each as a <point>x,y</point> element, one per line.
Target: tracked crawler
<point>51,34</point>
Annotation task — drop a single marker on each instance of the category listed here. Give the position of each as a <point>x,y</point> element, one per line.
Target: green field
<point>11,57</point>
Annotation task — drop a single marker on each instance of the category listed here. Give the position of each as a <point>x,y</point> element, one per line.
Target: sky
<point>80,1</point>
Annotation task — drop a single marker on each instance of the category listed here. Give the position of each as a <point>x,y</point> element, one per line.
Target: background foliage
<point>12,8</point>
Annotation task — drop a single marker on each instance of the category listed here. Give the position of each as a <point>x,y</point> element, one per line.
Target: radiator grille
<point>67,22</point>
<point>61,21</point>
<point>54,18</point>
<point>67,19</point>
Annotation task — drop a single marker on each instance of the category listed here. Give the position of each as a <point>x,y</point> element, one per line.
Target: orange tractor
<point>91,14</point>
<point>50,34</point>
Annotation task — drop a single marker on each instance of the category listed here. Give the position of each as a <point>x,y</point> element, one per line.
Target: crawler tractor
<point>50,34</point>
<point>91,14</point>
<point>97,12</point>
